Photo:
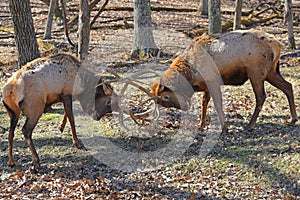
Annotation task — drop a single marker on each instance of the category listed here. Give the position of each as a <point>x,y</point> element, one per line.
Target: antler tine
<point>143,116</point>
<point>143,89</point>
<point>155,111</point>
<point>106,82</point>
<point>122,111</point>
<point>121,120</point>
<point>114,73</point>
<point>132,80</point>
<point>135,117</point>
<point>118,77</point>
<point>147,71</point>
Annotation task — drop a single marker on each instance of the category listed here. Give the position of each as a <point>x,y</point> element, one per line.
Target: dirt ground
<point>110,44</point>
<point>259,164</point>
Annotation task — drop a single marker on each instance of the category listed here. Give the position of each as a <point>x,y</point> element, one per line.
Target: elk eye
<point>108,103</point>
<point>166,98</point>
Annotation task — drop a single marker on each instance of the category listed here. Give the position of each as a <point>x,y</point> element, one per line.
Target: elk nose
<point>184,106</point>
<point>96,116</point>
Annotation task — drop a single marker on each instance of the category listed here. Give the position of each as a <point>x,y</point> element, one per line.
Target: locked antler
<point>132,80</point>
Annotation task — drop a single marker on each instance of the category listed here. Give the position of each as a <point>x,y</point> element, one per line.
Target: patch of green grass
<point>50,116</point>
<point>247,164</point>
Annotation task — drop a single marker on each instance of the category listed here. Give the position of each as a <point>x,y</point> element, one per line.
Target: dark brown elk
<point>238,56</point>
<point>50,80</point>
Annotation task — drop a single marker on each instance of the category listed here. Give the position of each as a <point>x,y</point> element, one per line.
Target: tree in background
<point>214,16</point>
<point>237,14</point>
<point>52,7</point>
<point>24,34</point>
<point>203,7</point>
<point>57,12</point>
<point>143,41</point>
<point>288,18</point>
<point>84,29</point>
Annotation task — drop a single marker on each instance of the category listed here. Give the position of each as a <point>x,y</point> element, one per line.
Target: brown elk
<point>238,56</point>
<point>50,80</point>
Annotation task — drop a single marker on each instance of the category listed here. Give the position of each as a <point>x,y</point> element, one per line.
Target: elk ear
<point>107,89</point>
<point>157,88</point>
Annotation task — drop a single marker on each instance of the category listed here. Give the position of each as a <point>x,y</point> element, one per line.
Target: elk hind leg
<point>278,81</point>
<point>63,123</point>
<point>14,118</point>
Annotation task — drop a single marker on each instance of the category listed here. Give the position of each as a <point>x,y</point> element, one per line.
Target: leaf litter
<point>260,164</point>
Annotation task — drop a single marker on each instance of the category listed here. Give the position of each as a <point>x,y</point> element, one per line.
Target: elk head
<point>105,99</point>
<point>177,96</point>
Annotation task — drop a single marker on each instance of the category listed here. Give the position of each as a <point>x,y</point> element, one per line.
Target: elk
<point>237,57</point>
<point>50,80</point>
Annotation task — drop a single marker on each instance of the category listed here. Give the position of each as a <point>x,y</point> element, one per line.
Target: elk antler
<point>146,116</point>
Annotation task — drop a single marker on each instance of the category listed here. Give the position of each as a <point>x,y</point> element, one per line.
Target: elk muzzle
<point>170,99</point>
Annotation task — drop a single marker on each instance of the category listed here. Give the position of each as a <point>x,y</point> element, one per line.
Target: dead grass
<point>260,164</point>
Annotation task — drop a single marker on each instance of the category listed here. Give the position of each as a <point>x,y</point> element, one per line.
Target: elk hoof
<point>80,146</point>
<point>35,167</point>
<point>61,129</point>
<point>291,122</point>
<point>200,127</point>
<point>249,128</point>
<point>225,129</point>
<point>11,164</point>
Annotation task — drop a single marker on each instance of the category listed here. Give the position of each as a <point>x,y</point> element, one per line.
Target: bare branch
<point>63,5</point>
<point>98,13</point>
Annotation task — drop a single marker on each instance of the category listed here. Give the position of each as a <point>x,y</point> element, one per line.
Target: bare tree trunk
<point>214,16</point>
<point>84,29</point>
<point>25,38</point>
<point>237,14</point>
<point>52,7</point>
<point>288,18</point>
<point>203,7</point>
<point>58,12</point>
<point>143,42</point>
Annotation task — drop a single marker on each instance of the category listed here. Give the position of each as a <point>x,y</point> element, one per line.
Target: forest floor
<point>263,163</point>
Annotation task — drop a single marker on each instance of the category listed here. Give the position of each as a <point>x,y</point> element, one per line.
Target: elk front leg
<point>67,101</point>
<point>32,117</point>
<point>205,101</point>
<point>216,94</point>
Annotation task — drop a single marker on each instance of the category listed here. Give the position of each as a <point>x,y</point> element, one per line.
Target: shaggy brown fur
<point>236,56</point>
<point>46,81</point>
